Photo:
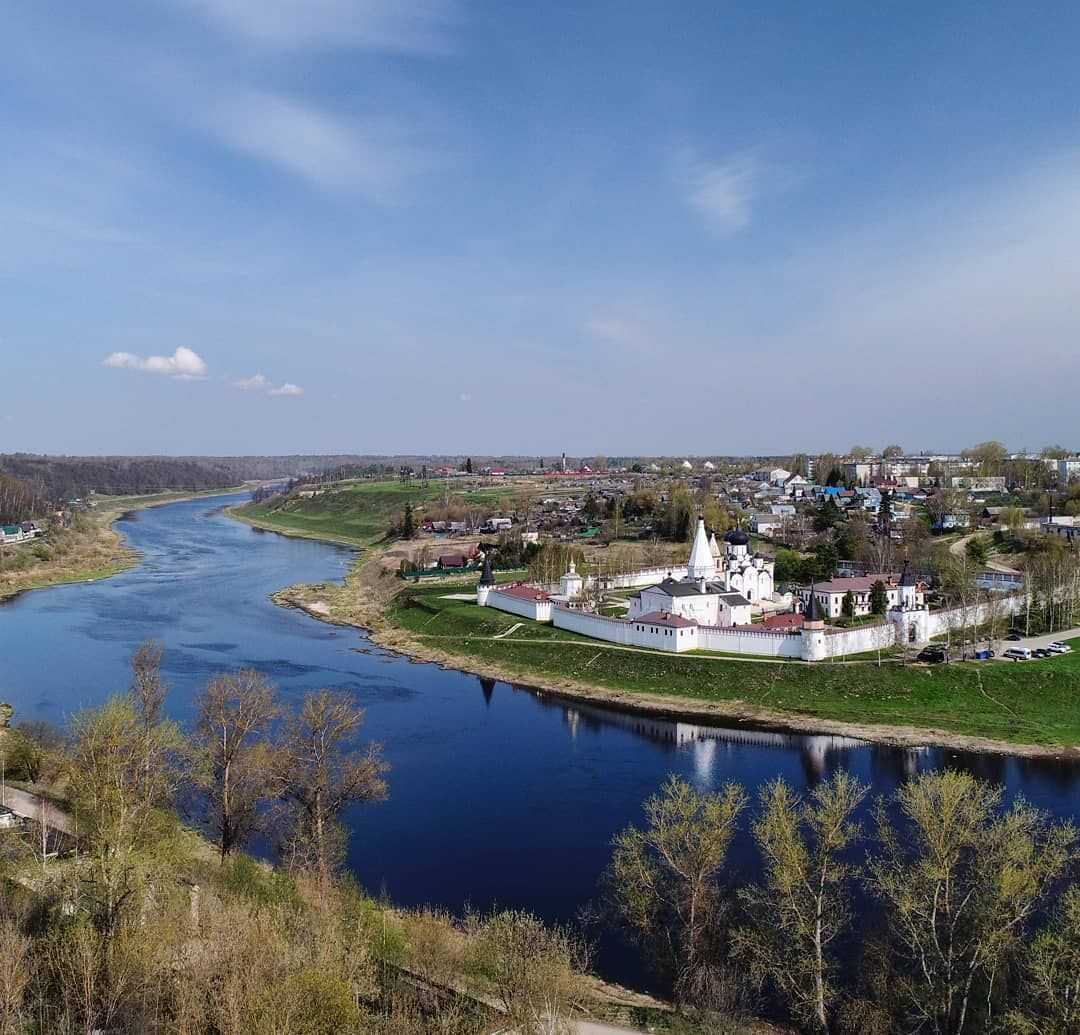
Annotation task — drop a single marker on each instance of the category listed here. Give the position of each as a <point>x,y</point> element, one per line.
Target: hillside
<point>361,512</point>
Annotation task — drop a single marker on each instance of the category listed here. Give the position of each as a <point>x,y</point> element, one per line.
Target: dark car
<point>1013,637</point>
<point>1040,652</point>
<point>932,655</point>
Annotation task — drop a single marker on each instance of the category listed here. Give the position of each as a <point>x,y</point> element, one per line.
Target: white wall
<point>537,610</point>
<point>855,641</point>
<point>632,634</point>
<point>748,641</point>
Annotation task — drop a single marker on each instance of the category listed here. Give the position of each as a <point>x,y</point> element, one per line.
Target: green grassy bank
<point>1033,703</point>
<point>356,513</point>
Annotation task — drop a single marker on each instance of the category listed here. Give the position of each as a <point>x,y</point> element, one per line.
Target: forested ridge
<point>60,478</point>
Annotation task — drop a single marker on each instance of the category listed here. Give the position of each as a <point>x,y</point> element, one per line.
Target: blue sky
<point>444,225</point>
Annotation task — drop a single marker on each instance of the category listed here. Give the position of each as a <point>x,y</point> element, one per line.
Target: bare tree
<point>236,769</point>
<point>959,881</point>
<point>804,902</point>
<point>322,772</point>
<point>1051,971</point>
<point>147,692</point>
<point>665,881</point>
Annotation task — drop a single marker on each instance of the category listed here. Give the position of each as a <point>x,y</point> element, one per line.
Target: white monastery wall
<point>747,641</point>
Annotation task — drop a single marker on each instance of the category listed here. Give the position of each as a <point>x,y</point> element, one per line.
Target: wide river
<point>498,796</point>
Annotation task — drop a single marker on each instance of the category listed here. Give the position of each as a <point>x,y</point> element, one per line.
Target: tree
<point>826,515</point>
<point>33,750</point>
<point>959,880</point>
<point>147,692</point>
<point>468,465</point>
<point>989,456</point>
<point>826,559</point>
<point>847,605</point>
<point>860,452</point>
<point>892,452</point>
<point>1051,973</point>
<point>804,903</point>
<point>118,802</point>
<point>665,882</point>
<point>879,598</point>
<point>977,551</point>
<point>233,716</point>
<point>322,772</point>
<point>408,523</point>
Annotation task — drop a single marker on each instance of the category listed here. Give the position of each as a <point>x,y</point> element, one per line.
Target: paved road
<point>28,805</point>
<point>1040,641</point>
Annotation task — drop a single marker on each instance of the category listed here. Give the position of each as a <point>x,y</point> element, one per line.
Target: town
<point>800,557</point>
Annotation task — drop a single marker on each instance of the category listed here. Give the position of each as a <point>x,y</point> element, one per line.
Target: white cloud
<point>288,388</point>
<point>722,192</point>
<point>261,383</point>
<point>184,363</point>
<point>465,397</point>
<point>409,26</point>
<point>372,158</point>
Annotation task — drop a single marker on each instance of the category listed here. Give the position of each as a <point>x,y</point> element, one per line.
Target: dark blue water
<point>498,796</point>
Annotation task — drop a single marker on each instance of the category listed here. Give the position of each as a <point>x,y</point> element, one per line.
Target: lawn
<point>1037,702</point>
<point>358,513</point>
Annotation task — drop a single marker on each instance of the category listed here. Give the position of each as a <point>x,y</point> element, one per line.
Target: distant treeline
<point>56,479</point>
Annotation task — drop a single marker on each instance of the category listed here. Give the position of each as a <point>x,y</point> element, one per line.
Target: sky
<point>626,227</point>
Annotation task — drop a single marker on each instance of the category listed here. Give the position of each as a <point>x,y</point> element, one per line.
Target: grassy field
<point>358,513</point>
<point>1033,703</point>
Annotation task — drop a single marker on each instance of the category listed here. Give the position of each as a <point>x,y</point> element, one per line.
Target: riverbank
<point>1028,710</point>
<point>91,549</point>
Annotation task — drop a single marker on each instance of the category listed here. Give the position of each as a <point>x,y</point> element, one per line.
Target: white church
<point>721,587</point>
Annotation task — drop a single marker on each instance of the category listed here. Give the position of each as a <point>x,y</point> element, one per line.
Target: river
<point>498,796</point>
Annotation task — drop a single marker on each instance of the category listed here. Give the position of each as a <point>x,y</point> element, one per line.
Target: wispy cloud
<point>184,363</point>
<point>721,192</point>
<point>402,26</point>
<point>261,383</point>
<point>373,158</point>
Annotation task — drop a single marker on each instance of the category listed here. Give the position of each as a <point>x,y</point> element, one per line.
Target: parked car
<point>1040,652</point>
<point>1057,647</point>
<point>1017,654</point>
<point>984,655</point>
<point>932,655</point>
<point>1013,637</point>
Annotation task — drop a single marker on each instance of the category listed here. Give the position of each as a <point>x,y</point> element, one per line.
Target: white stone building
<point>900,591</point>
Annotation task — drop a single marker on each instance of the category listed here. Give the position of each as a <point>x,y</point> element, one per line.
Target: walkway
<point>29,806</point>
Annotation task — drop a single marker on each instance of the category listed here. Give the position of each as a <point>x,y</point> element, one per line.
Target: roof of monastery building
<point>855,583</point>
<point>523,592</point>
<point>665,618</point>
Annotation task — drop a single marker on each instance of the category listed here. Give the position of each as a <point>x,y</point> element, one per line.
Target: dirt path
<point>957,550</point>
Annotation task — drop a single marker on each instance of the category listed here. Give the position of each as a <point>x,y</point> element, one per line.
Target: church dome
<point>737,537</point>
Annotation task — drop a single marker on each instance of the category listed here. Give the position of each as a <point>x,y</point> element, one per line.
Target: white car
<point>1059,648</point>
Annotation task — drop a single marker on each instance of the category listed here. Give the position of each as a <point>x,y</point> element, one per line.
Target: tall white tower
<point>702,564</point>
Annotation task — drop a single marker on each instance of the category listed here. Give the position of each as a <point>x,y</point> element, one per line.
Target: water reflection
<point>502,797</point>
